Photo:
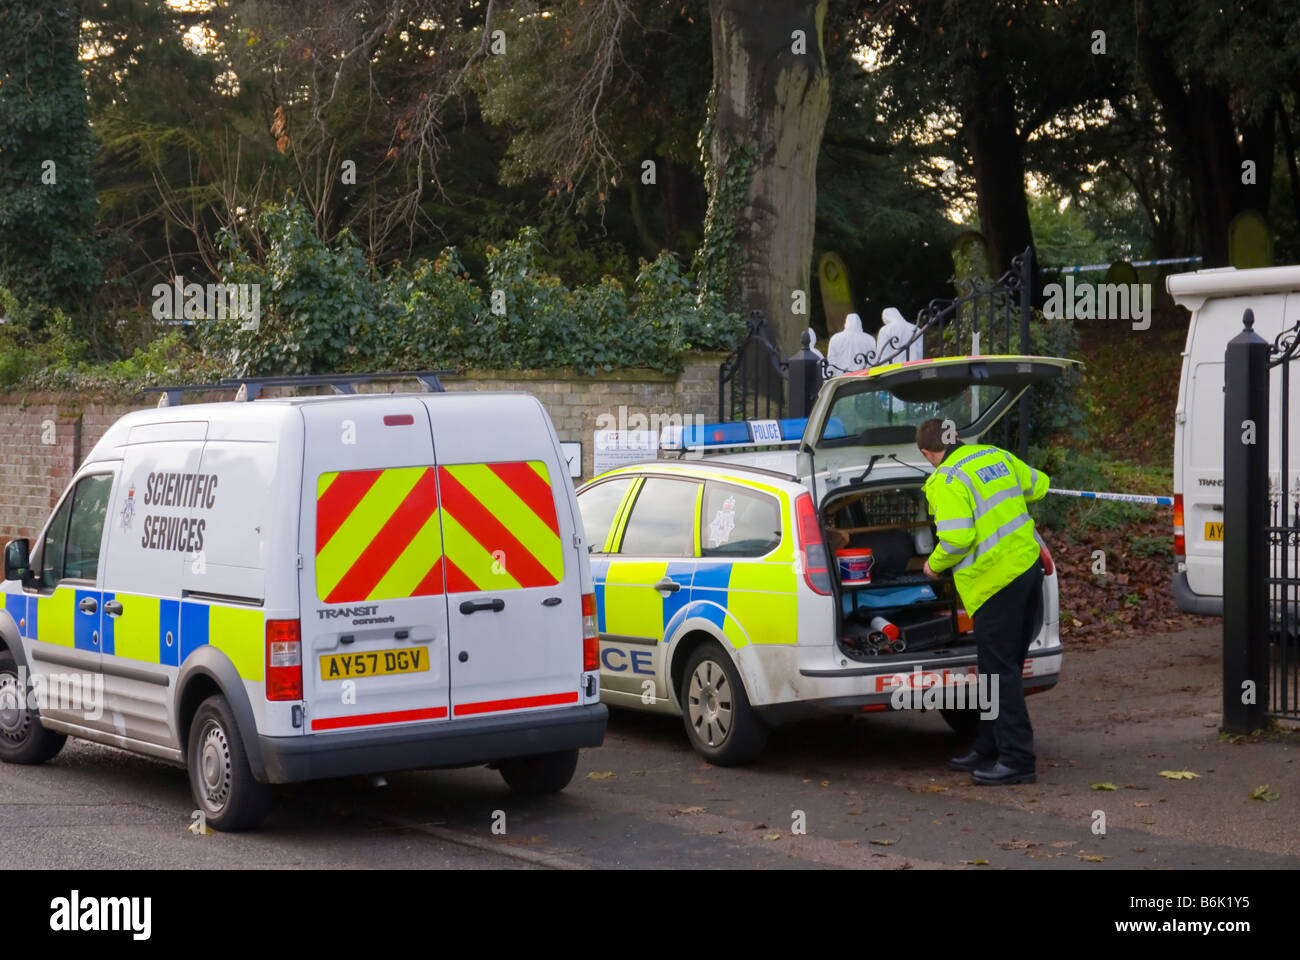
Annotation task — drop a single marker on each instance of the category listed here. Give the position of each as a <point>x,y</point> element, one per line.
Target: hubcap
<point>14,718</point>
<point>214,766</point>
<point>708,702</point>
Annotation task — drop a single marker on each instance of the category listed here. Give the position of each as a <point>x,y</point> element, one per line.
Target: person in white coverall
<point>895,338</point>
<point>850,349</point>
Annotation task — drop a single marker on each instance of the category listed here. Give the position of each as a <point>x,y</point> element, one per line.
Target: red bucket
<point>855,566</point>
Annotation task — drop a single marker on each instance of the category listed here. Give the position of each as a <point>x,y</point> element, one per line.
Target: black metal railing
<point>1284,548</point>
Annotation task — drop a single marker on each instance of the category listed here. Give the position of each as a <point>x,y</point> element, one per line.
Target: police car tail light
<point>590,647</point>
<point>812,545</point>
<point>283,660</point>
<point>1180,538</point>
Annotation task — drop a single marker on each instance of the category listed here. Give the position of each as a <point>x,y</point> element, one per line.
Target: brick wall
<point>46,436</point>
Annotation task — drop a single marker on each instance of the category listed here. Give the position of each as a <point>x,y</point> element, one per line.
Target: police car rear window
<point>738,523</point>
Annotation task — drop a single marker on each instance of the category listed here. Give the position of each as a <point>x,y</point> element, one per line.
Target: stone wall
<point>46,436</point>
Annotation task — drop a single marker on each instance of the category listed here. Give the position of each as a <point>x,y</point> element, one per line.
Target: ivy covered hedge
<point>324,308</point>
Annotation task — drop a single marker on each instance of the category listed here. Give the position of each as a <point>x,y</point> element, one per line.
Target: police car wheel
<point>22,738</point>
<point>228,795</point>
<point>721,725</point>
<point>964,722</point>
<point>540,774</point>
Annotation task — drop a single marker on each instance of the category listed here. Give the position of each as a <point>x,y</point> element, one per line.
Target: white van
<point>290,589</point>
<point>1217,300</point>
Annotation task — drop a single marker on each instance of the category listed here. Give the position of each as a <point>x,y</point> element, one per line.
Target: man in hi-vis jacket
<point>986,536</point>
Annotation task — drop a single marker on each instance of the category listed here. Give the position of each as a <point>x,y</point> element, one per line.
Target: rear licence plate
<point>377,663</point>
<point>1213,531</point>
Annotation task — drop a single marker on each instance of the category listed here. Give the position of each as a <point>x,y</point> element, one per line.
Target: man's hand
<point>838,538</point>
<point>928,572</point>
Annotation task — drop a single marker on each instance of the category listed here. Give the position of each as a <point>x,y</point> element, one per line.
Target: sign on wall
<point>617,448</point>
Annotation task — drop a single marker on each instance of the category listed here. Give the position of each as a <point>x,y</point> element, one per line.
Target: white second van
<point>290,589</point>
<point>1217,300</point>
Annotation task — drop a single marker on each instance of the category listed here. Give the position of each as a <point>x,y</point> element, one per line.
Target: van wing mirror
<point>18,559</point>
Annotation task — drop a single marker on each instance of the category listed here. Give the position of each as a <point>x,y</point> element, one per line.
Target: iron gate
<point>1284,546</point>
<point>985,317</point>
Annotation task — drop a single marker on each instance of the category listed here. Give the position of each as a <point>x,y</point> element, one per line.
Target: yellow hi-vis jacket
<point>986,535</point>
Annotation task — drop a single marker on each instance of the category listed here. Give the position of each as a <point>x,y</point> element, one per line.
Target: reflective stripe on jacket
<point>986,535</point>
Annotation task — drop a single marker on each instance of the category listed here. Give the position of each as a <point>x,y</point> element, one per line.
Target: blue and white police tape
<point>1123,497</point>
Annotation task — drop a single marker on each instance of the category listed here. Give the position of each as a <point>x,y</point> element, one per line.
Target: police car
<point>287,589</point>
<point>718,597</point>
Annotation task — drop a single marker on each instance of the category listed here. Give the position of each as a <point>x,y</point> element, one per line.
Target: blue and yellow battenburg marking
<point>749,602</point>
<point>150,629</point>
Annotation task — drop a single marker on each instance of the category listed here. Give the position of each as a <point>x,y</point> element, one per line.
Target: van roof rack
<point>250,388</point>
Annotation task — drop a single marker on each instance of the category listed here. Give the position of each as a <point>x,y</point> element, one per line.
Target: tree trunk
<point>1198,116</point>
<point>997,153</point>
<point>773,100</point>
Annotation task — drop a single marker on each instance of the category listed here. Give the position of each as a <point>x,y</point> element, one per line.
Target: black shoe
<point>970,762</point>
<point>1002,774</point>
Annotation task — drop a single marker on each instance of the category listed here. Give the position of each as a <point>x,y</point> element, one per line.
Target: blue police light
<point>742,433</point>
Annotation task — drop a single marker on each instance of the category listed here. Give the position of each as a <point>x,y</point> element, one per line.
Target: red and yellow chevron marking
<point>377,535</point>
<point>499,526</point>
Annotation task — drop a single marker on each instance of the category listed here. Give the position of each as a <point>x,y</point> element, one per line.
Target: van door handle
<point>113,608</point>
<point>496,605</point>
<point>668,586</point>
<point>87,605</point>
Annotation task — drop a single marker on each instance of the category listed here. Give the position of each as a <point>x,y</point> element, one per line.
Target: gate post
<point>1245,529</point>
<point>805,377</point>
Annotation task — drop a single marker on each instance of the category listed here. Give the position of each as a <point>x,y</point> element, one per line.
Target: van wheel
<point>721,725</point>
<point>22,738</point>
<point>963,722</point>
<point>539,774</point>
<point>228,795</point>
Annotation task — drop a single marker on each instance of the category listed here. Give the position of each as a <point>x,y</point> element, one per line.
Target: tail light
<point>283,660</point>
<point>812,545</point>
<point>1180,537</point>
<point>590,645</point>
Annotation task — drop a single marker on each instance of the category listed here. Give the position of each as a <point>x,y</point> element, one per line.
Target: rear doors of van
<point>438,579</point>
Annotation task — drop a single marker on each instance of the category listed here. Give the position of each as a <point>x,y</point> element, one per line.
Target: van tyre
<point>963,722</point>
<point>22,738</point>
<point>539,774</point>
<point>721,725</point>
<point>224,788</point>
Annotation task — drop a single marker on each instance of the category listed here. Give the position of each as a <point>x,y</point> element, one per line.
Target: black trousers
<point>1004,628</point>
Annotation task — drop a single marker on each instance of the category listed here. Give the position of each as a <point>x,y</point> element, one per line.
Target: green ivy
<point>324,308</point>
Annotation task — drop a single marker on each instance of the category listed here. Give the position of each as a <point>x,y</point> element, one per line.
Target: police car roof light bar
<point>734,434</point>
<point>250,388</point>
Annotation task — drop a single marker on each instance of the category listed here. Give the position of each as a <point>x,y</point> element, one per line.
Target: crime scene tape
<point>1123,497</point>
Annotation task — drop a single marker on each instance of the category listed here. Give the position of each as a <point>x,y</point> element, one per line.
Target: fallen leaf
<point>883,843</point>
<point>688,810</point>
<point>1265,794</point>
<point>934,788</point>
<point>771,836</point>
<point>1179,775</point>
<point>1141,803</point>
<point>1104,786</point>
<point>597,775</point>
<point>1091,857</point>
<point>976,863</point>
<point>1064,843</point>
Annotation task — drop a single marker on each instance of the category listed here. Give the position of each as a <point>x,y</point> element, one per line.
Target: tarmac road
<point>869,792</point>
